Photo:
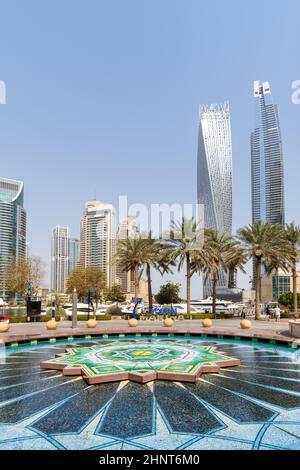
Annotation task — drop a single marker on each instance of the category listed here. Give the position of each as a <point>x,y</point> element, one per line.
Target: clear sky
<point>103,96</point>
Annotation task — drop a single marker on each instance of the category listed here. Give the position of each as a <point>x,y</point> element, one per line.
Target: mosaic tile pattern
<point>252,406</point>
<point>140,361</point>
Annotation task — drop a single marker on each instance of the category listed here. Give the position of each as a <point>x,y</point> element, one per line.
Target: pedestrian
<point>268,312</point>
<point>277,313</point>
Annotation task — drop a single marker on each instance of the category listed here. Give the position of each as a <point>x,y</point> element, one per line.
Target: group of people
<point>273,312</point>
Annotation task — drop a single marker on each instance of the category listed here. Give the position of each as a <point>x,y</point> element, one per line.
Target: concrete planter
<point>51,325</point>
<point>207,323</point>
<point>168,322</point>
<point>91,323</point>
<point>294,327</point>
<point>133,322</point>
<point>245,324</point>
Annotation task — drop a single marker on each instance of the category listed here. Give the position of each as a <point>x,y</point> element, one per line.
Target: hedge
<point>46,318</point>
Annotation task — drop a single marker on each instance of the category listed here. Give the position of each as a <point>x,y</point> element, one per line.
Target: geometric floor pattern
<point>252,406</point>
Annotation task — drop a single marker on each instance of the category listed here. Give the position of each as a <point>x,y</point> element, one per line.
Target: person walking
<point>277,313</point>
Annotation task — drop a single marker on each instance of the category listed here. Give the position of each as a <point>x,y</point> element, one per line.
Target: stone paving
<point>228,327</point>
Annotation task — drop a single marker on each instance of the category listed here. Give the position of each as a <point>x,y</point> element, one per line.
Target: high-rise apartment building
<point>74,253</point>
<point>214,175</point>
<point>12,228</point>
<point>266,159</point>
<point>59,258</point>
<point>98,238</point>
<point>126,280</point>
<point>267,174</point>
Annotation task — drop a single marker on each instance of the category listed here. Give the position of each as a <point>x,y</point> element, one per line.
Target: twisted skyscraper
<point>215,174</point>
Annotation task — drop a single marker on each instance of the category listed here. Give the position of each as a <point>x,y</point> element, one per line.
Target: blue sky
<point>103,96</point>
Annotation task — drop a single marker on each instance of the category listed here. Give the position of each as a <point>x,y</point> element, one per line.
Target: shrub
<point>114,310</point>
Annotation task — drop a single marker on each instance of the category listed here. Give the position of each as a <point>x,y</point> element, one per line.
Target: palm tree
<point>154,253</point>
<point>129,257</point>
<point>222,253</point>
<point>267,244</point>
<point>185,239</point>
<point>293,236</point>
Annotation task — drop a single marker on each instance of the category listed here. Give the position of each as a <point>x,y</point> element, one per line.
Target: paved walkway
<point>227,327</point>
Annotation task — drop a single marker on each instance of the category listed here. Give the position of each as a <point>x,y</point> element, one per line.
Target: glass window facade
<point>280,285</point>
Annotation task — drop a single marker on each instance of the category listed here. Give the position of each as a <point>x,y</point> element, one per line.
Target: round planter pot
<point>133,322</point>
<point>245,324</point>
<point>207,323</point>
<point>4,327</point>
<point>91,323</point>
<point>51,325</point>
<point>168,322</point>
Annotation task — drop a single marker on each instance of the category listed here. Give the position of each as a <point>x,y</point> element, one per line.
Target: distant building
<point>74,254</point>
<point>267,171</point>
<point>59,258</point>
<point>275,284</point>
<point>214,176</point>
<point>12,228</point>
<point>98,238</point>
<point>126,280</point>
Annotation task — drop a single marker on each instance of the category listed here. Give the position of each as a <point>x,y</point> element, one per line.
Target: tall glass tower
<point>266,159</point>
<point>12,228</point>
<point>59,258</point>
<point>215,174</point>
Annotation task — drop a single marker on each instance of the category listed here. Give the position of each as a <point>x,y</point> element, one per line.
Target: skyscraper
<point>215,174</point>
<point>266,159</point>
<point>98,238</point>
<point>59,258</point>
<point>126,280</point>
<point>12,228</point>
<point>74,253</point>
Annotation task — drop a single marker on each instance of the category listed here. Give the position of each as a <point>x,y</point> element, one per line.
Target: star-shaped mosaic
<point>140,361</point>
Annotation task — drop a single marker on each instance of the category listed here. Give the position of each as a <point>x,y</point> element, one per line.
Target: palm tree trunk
<point>136,282</point>
<point>295,296</point>
<point>188,284</point>
<point>149,288</point>
<point>257,287</point>
<point>214,293</point>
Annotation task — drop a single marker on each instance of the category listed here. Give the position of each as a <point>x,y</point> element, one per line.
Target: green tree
<point>293,236</point>
<point>268,246</point>
<point>286,299</point>
<point>185,238</point>
<point>85,280</point>
<point>25,272</point>
<point>114,294</point>
<point>168,294</point>
<point>129,257</point>
<point>222,253</point>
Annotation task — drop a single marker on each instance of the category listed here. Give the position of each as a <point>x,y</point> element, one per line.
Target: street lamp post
<point>53,308</point>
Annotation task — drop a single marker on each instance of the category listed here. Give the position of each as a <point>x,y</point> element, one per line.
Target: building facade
<point>98,238</point>
<point>267,159</point>
<point>74,254</point>
<point>126,280</point>
<point>275,284</point>
<point>214,176</point>
<point>59,258</point>
<point>12,228</point>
